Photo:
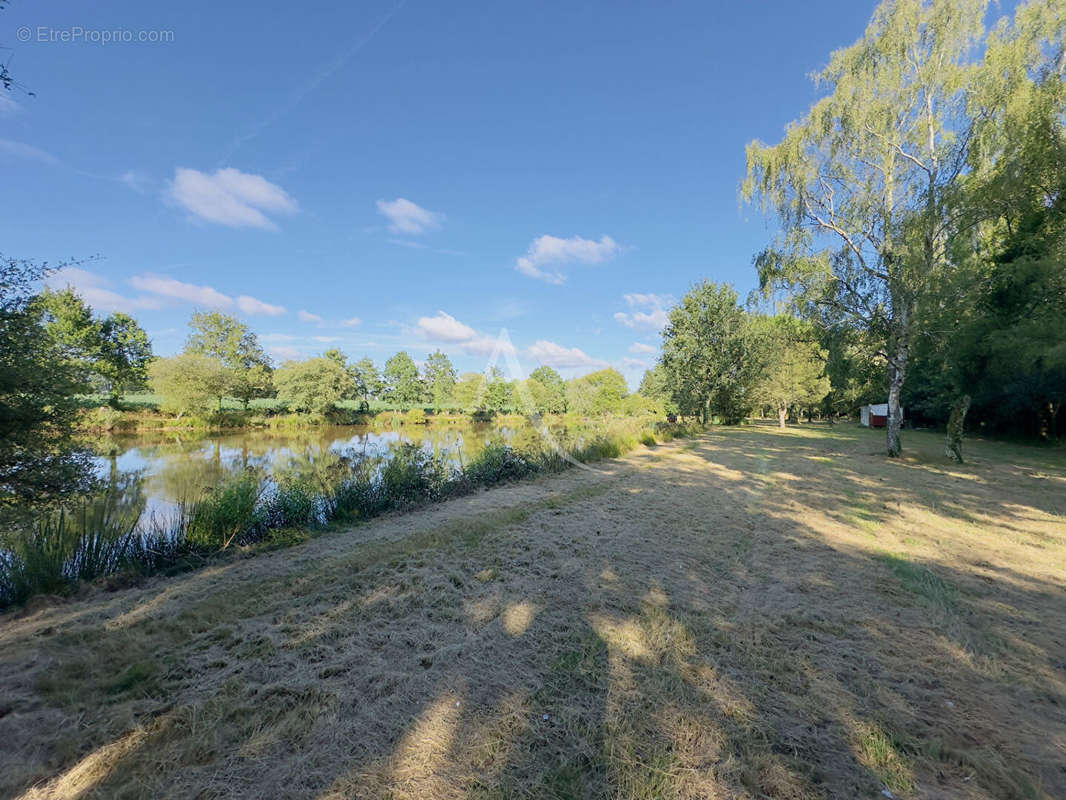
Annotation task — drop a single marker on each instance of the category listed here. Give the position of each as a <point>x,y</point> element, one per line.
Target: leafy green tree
<point>468,389</point>
<point>655,385</point>
<point>403,384</point>
<point>548,390</point>
<point>69,321</point>
<point>497,395</point>
<point>873,166</point>
<point>124,355</point>
<point>367,379</point>
<point>597,393</point>
<point>712,357</point>
<point>190,383</point>
<point>232,342</point>
<point>440,378</point>
<point>793,366</point>
<point>113,352</point>
<point>38,459</point>
<point>316,385</point>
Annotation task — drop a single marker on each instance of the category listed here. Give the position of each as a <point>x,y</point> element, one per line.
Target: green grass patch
<point>922,581</point>
<point>878,751</point>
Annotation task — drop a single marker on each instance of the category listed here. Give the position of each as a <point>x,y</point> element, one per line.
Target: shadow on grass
<point>692,626</point>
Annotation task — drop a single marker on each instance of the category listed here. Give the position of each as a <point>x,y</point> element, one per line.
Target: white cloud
<point>8,105</point>
<point>94,290</point>
<point>485,345</point>
<point>307,316</point>
<point>283,353</point>
<point>9,147</point>
<point>251,305</point>
<point>555,355</point>
<point>326,339</point>
<point>640,347</point>
<point>633,363</point>
<point>276,337</point>
<point>350,323</point>
<point>444,328</point>
<point>178,290</point>
<point>551,250</point>
<point>649,311</point>
<point>230,197</point>
<point>136,180</point>
<point>407,217</point>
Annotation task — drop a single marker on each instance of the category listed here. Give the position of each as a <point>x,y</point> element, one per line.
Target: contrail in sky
<point>338,61</point>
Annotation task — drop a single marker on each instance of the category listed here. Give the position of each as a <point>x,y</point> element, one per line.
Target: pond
<point>174,467</point>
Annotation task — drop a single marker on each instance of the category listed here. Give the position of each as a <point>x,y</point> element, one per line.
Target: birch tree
<point>863,183</point>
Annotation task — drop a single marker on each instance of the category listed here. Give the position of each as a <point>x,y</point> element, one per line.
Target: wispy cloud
<point>251,305</point>
<point>649,311</point>
<point>8,105</point>
<point>307,316</point>
<point>409,218</point>
<point>640,347</point>
<point>551,251</point>
<point>94,290</point>
<point>230,197</point>
<point>351,322</point>
<point>484,345</point>
<point>423,246</point>
<point>179,290</point>
<point>634,363</point>
<point>326,339</point>
<point>556,355</point>
<point>136,179</point>
<point>283,353</point>
<point>26,152</point>
<point>202,296</point>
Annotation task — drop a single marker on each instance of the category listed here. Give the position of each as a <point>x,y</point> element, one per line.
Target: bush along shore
<point>109,533</point>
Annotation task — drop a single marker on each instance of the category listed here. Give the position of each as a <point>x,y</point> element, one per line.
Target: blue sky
<point>378,176</point>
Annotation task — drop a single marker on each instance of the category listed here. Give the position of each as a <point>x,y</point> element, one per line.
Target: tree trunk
<point>956,418</point>
<point>898,353</point>
<point>895,412</point>
<point>782,412</point>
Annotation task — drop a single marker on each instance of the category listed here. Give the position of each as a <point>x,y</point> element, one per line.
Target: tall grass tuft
<point>80,540</point>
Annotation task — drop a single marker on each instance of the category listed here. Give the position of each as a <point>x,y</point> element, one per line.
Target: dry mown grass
<point>751,614</point>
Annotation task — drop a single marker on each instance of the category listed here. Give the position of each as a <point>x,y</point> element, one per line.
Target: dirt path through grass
<point>749,614</point>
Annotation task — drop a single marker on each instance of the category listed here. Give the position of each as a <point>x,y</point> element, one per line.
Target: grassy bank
<point>111,534</point>
<point>750,613</point>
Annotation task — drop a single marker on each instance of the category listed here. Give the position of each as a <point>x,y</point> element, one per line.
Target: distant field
<point>750,614</point>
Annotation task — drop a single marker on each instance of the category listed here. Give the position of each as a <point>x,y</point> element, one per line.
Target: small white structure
<point>874,415</point>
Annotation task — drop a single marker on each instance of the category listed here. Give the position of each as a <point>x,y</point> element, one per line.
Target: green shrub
<point>648,439</point>
<point>412,476</point>
<point>496,463</point>
<point>294,501</point>
<point>416,416</point>
<point>227,513</point>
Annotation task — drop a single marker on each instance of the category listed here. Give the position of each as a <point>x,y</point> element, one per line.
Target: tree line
<point>224,359</point>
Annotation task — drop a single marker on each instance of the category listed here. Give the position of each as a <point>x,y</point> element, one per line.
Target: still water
<point>172,467</point>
